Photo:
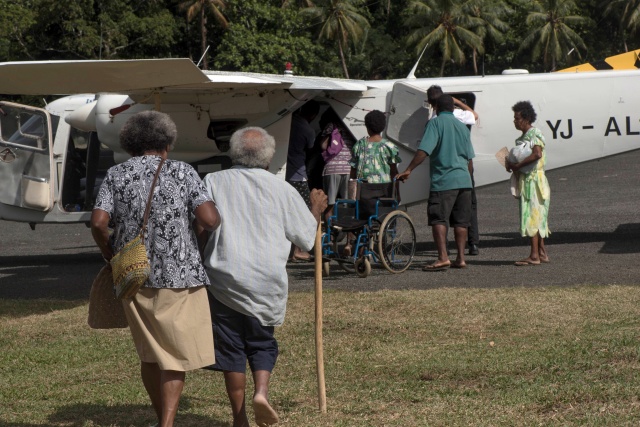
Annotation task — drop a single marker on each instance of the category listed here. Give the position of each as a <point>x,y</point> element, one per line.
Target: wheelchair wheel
<point>346,263</point>
<point>363,267</point>
<point>396,242</point>
<point>326,269</point>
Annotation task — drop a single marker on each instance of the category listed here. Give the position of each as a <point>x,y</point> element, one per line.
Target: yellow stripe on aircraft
<point>624,61</point>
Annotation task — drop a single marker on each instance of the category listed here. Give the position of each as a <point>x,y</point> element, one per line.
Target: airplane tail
<point>625,61</point>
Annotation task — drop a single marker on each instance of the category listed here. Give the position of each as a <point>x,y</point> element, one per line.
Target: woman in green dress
<point>533,186</point>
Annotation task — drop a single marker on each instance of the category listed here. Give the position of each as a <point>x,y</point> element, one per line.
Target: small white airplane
<point>52,159</point>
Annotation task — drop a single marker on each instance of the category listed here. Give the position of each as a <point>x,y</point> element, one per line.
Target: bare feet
<point>347,251</point>
<point>264,413</point>
<point>527,261</point>
<point>459,264</point>
<point>544,259</point>
<point>437,266</point>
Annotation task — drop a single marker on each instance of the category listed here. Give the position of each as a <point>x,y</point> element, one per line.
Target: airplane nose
<point>83,118</point>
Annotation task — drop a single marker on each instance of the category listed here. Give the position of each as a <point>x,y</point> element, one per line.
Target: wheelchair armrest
<point>387,200</point>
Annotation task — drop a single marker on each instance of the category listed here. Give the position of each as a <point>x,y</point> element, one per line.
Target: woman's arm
<point>100,232</point>
<point>208,216</point>
<point>325,143</point>
<point>535,155</point>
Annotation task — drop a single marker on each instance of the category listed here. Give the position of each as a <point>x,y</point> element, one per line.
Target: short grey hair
<point>148,131</point>
<point>252,147</point>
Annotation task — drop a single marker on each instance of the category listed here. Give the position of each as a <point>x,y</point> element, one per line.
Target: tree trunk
<point>475,62</point>
<point>442,66</point>
<point>203,31</point>
<point>344,64</point>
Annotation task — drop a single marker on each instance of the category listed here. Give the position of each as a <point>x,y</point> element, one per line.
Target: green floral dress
<point>535,192</point>
<point>373,160</point>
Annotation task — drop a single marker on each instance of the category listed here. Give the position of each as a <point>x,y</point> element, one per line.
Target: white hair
<point>252,147</point>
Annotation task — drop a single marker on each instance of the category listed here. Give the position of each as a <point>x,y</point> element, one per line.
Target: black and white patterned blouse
<point>170,240</point>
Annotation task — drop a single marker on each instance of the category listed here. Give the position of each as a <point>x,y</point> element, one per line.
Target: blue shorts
<point>238,338</point>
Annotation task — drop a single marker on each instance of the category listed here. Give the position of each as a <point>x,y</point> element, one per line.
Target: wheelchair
<point>383,233</point>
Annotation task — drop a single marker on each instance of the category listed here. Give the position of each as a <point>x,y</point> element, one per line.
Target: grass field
<point>445,357</point>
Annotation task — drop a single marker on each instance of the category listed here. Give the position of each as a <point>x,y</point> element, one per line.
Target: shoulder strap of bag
<point>148,208</point>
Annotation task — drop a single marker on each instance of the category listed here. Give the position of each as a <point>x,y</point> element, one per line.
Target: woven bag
<point>130,268</point>
<point>130,265</point>
<point>105,310</point>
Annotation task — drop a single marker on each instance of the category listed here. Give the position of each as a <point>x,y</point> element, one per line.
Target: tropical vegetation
<point>367,39</point>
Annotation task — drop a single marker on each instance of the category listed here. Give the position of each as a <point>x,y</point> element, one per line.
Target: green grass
<point>446,357</point>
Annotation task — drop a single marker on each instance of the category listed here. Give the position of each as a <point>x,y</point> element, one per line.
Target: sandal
<point>437,267</point>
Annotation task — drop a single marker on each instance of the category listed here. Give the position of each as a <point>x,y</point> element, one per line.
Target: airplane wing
<point>139,76</point>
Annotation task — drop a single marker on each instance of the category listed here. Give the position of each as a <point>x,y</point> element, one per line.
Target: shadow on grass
<point>86,414</point>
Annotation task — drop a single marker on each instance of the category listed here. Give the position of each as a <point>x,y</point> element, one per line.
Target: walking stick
<point>322,395</point>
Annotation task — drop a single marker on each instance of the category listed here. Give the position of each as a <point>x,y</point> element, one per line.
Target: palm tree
<point>627,13</point>
<point>198,8</point>
<point>446,24</point>
<point>304,3</point>
<point>341,22</point>
<point>487,23</point>
<point>552,37</point>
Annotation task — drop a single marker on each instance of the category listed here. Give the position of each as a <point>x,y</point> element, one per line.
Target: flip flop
<point>436,267</point>
<point>525,262</point>
<point>454,265</point>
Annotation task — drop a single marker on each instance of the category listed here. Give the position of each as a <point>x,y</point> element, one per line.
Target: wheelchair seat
<point>372,195</point>
<point>378,231</point>
<point>372,199</point>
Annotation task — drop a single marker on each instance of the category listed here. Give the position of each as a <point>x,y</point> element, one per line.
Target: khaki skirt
<point>172,327</point>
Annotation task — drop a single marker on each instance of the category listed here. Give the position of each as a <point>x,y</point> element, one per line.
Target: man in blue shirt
<point>447,143</point>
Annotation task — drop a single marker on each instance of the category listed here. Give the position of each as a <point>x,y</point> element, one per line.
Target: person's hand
<point>403,176</point>
<point>512,167</point>
<point>508,166</point>
<point>318,202</point>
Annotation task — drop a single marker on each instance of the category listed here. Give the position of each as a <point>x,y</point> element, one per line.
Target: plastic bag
<point>518,153</point>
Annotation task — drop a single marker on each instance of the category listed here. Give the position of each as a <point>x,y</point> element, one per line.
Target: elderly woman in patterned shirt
<point>169,317</point>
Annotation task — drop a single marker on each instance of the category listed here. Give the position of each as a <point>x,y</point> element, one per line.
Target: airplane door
<point>25,157</point>
<point>409,114</point>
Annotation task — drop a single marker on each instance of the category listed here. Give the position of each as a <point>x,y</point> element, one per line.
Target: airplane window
<point>221,130</point>
<point>31,126</point>
<point>23,128</point>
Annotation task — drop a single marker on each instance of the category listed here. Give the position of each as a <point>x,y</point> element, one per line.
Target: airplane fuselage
<point>583,116</point>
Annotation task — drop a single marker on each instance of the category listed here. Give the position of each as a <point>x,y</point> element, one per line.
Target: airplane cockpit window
<point>27,129</point>
<point>221,130</point>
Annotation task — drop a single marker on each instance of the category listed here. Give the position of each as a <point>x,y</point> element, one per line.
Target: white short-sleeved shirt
<point>465,116</point>
<point>246,256</point>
